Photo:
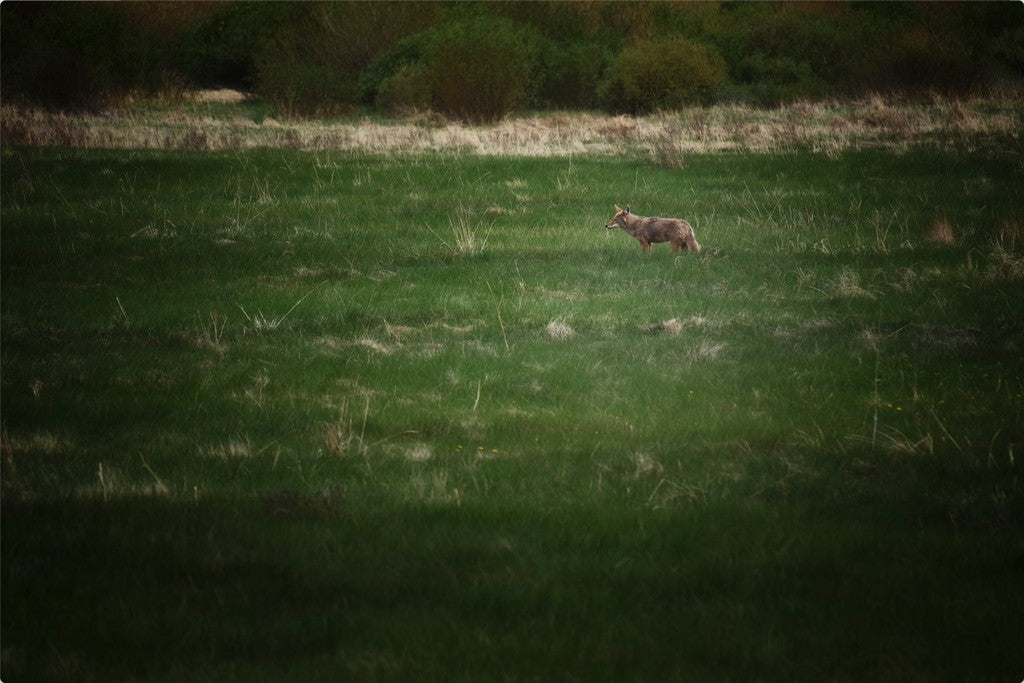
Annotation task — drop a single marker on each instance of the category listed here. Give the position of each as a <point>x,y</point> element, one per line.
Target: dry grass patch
<point>645,466</point>
<point>218,96</point>
<point>434,488</point>
<point>37,443</point>
<point>672,326</point>
<point>560,331</point>
<point>941,232</point>
<point>111,482</point>
<point>847,285</point>
<point>209,333</point>
<point>399,331</point>
<point>336,344</point>
<point>235,449</point>
<point>373,345</point>
<point>417,451</point>
<point>665,139</point>
<point>707,351</point>
<point>1005,265</point>
<point>345,435</point>
<point>894,441</point>
<point>1008,232</point>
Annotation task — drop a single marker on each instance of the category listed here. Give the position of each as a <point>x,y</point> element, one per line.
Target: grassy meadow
<point>278,414</point>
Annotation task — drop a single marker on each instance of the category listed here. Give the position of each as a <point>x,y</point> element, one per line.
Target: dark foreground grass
<point>274,415</point>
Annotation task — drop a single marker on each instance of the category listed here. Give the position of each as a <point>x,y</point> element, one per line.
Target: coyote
<point>652,230</point>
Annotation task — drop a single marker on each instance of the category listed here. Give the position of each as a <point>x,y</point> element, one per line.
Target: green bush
<point>313,66</point>
<point>481,68</point>
<point>663,73</point>
<point>219,47</point>
<point>305,69</point>
<point>774,80</point>
<point>462,69</point>
<point>403,56</point>
<point>404,91</point>
<point>302,78</point>
<point>571,73</point>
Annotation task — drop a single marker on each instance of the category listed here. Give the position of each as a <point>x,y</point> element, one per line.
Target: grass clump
<point>467,238</point>
<point>941,232</point>
<point>560,331</point>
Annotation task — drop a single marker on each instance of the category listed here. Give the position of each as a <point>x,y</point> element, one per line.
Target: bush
<point>778,54</point>
<point>300,79</point>
<point>405,91</point>
<point>476,68</point>
<point>481,68</point>
<point>663,73</point>
<point>313,66</point>
<point>219,47</point>
<point>775,80</point>
<point>570,74</point>
<point>403,57</point>
<point>305,70</point>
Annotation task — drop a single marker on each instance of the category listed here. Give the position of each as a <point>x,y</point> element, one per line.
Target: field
<point>300,414</point>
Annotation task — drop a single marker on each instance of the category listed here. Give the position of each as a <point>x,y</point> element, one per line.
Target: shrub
<point>407,53</point>
<point>305,70</point>
<point>775,80</point>
<point>475,68</point>
<point>303,80</point>
<point>313,65</point>
<point>219,47</point>
<point>404,91</point>
<point>481,68</point>
<point>570,74</point>
<point>663,73</point>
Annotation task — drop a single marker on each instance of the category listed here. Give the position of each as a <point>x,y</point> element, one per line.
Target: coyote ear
<point>627,208</point>
<point>617,209</point>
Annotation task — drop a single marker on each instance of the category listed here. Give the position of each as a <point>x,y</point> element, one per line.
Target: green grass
<point>281,415</point>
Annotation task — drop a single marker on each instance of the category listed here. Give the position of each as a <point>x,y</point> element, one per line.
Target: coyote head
<point>619,219</point>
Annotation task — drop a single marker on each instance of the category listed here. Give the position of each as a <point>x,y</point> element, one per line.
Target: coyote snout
<point>651,230</point>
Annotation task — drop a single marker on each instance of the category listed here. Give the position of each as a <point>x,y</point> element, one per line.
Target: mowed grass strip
<point>336,415</point>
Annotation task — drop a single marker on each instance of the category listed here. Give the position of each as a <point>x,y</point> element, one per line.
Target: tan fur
<point>651,230</point>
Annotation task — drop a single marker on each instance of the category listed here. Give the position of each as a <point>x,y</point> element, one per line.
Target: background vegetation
<point>314,59</point>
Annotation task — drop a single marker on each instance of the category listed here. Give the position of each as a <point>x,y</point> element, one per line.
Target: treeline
<point>478,61</point>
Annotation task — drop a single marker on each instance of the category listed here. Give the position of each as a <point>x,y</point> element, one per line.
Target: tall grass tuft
<point>343,436</point>
<point>467,238</point>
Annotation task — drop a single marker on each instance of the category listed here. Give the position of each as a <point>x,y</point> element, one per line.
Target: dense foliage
<point>666,72</point>
<point>480,61</point>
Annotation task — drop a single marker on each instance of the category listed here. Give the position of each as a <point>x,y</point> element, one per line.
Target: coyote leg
<point>645,244</point>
